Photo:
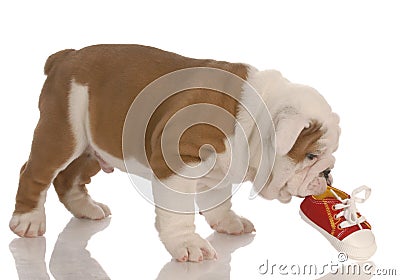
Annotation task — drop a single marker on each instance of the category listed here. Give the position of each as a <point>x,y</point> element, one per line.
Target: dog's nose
<point>325,174</point>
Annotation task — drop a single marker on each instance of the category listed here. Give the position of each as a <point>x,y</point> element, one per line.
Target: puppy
<point>193,127</point>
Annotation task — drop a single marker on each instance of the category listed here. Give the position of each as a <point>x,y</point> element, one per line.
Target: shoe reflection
<point>218,269</point>
<point>69,260</point>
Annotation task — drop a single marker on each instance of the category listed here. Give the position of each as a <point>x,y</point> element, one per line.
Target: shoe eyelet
<point>339,227</point>
<point>336,217</point>
<point>334,207</point>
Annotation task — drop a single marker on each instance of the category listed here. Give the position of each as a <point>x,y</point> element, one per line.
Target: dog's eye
<point>311,156</point>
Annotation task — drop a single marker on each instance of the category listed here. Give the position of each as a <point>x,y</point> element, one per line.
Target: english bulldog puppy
<point>194,127</point>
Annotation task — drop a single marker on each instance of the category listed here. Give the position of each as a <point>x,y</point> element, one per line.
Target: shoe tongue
<point>328,194</point>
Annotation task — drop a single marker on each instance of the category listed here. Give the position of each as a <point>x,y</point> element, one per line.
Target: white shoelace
<point>349,207</point>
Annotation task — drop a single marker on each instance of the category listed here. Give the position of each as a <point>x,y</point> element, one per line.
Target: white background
<point>347,50</point>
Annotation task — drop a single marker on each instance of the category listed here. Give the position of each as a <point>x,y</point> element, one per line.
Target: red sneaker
<point>335,215</point>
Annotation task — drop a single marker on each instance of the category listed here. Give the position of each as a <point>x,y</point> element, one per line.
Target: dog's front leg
<point>174,200</point>
<point>215,205</point>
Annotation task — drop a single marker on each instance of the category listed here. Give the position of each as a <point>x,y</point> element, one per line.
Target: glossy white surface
<point>349,51</point>
<point>126,246</point>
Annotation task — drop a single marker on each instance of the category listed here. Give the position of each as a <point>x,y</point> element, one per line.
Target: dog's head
<point>306,134</point>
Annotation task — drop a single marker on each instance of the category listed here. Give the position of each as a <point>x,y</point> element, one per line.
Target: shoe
<point>335,215</point>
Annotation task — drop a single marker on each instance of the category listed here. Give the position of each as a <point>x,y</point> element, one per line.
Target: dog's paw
<point>190,248</point>
<point>31,224</point>
<point>105,208</point>
<point>231,223</point>
<point>88,208</point>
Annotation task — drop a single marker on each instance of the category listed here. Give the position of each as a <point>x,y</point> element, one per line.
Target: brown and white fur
<point>83,106</point>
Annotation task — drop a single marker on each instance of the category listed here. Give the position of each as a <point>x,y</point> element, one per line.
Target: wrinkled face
<point>304,152</point>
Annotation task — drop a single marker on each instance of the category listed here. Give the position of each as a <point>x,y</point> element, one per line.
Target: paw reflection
<point>218,269</point>
<point>69,260</point>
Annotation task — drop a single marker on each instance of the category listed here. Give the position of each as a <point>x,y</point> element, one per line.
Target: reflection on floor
<point>219,269</point>
<point>29,256</point>
<point>69,251</point>
<point>71,260</point>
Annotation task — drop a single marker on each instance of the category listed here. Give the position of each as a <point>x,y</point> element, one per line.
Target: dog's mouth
<point>314,182</point>
<point>319,184</point>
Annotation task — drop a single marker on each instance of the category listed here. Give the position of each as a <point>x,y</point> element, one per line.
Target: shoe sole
<point>352,252</point>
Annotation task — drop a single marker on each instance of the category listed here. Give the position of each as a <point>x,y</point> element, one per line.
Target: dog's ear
<point>287,131</point>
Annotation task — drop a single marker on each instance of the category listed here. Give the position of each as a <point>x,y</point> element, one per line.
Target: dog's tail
<point>54,59</point>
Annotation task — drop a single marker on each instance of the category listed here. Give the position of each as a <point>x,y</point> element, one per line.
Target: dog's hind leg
<point>53,148</point>
<point>59,139</point>
<point>72,192</point>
